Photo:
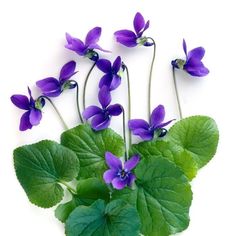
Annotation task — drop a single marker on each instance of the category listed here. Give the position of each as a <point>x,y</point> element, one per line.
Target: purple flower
<point>130,38</point>
<point>51,87</point>
<point>33,114</point>
<point>102,116</point>
<point>193,64</point>
<point>146,131</point>
<point>118,175</point>
<point>111,79</point>
<point>86,48</point>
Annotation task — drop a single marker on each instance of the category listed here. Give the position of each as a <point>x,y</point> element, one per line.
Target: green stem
<point>124,136</point>
<point>150,76</point>
<point>129,101</point>
<point>177,93</point>
<point>56,110</point>
<point>70,189</point>
<point>77,101</point>
<point>85,84</point>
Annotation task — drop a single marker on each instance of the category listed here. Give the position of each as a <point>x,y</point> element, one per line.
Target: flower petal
<point>146,25</point>
<point>105,81</point>
<point>96,46</point>
<point>144,134</point>
<point>126,37</point>
<point>139,22</point>
<point>91,111</point>
<point>185,47</point>
<point>115,82</point>
<point>131,163</point>
<point>67,71</point>
<point>196,68</point>
<point>104,96</point>
<point>24,122</point>
<point>104,65</point>
<point>35,116</point>
<point>115,110</point>
<point>196,54</point>
<point>157,116</point>
<point>49,86</point>
<point>100,122</point>
<point>131,179</point>
<point>118,183</point>
<point>138,123</point>
<point>116,65</point>
<point>20,101</point>
<point>76,45</point>
<point>112,161</point>
<point>164,124</point>
<point>93,36</point>
<point>109,175</point>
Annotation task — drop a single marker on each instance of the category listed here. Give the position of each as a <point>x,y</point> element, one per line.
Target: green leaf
<point>117,218</point>
<point>41,167</point>
<point>198,136</point>
<point>163,149</point>
<point>162,197</point>
<point>90,147</point>
<point>88,191</point>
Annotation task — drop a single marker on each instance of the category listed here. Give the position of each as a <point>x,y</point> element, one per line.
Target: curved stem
<point>177,93</point>
<point>56,110</point>
<point>124,136</point>
<point>129,101</point>
<point>77,101</point>
<point>86,82</point>
<point>150,76</point>
<point>70,189</point>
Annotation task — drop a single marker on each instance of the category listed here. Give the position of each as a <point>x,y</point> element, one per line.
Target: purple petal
<point>144,134</point>
<point>104,65</point>
<point>67,71</point>
<point>49,86</point>
<point>24,122</point>
<point>131,163</point>
<point>109,175</point>
<point>105,81</point>
<point>35,116</point>
<point>196,54</point>
<point>185,47</point>
<point>100,122</point>
<point>115,83</point>
<point>116,65</point>
<point>96,46</point>
<point>93,36</point>
<point>118,183</point>
<point>91,111</point>
<point>137,124</point>
<point>104,96</point>
<point>196,68</point>
<point>157,116</point>
<point>131,180</point>
<point>76,45</point>
<point>115,110</point>
<point>139,22</point>
<point>146,25</point>
<point>113,162</point>
<point>164,124</point>
<point>21,101</point>
<point>126,37</point>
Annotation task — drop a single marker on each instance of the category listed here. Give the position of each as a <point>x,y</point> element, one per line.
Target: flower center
<point>123,174</point>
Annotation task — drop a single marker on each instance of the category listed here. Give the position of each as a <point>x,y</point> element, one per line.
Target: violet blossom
<point>52,87</point>
<point>130,38</point>
<point>120,176</point>
<point>145,130</point>
<point>192,64</point>
<point>33,114</point>
<point>101,117</point>
<point>111,79</point>
<point>87,47</point>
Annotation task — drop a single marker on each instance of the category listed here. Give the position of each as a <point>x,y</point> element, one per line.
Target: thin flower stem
<point>77,101</point>
<point>124,136</point>
<point>129,101</point>
<point>177,93</point>
<point>85,84</point>
<point>56,110</point>
<point>150,76</point>
<point>70,189</point>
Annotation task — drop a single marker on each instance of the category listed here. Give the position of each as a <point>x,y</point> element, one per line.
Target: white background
<point>32,47</point>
